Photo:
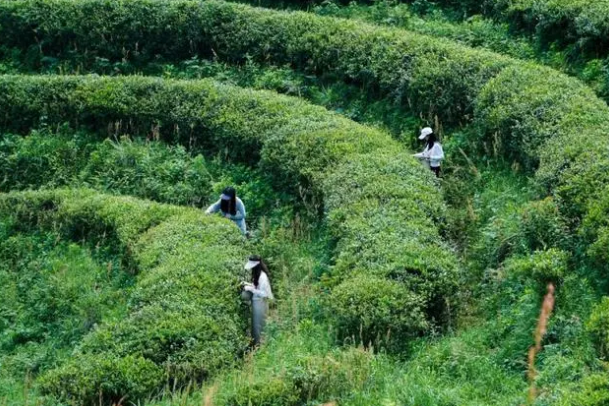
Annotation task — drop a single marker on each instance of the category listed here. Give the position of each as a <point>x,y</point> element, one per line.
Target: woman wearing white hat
<point>261,293</point>
<point>433,153</point>
<point>231,207</point>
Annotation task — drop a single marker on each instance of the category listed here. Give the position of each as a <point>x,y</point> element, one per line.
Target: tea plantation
<point>122,120</point>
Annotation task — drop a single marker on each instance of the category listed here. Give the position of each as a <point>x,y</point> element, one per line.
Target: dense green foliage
<point>480,31</point>
<point>580,26</point>
<point>145,169</point>
<point>408,66</point>
<point>432,76</point>
<point>53,293</point>
<point>305,149</point>
<point>172,334</point>
<point>513,119</point>
<point>526,184</point>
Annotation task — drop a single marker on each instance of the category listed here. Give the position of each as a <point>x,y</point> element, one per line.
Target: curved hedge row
<point>584,24</point>
<point>430,76</point>
<point>176,330</point>
<point>380,202</point>
<point>521,111</point>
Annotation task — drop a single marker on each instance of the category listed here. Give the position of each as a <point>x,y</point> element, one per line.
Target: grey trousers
<point>260,309</point>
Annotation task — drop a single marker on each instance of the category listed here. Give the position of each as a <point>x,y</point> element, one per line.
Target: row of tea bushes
<point>429,76</point>
<point>583,25</point>
<point>561,123</point>
<point>184,319</point>
<point>382,205</point>
<point>520,111</point>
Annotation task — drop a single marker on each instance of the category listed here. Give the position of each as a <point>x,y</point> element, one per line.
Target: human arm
<point>214,208</point>
<point>422,155</point>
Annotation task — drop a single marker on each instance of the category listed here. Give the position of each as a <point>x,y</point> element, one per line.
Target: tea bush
<point>591,391</point>
<point>28,162</point>
<point>432,76</point>
<point>53,293</point>
<point>368,186</point>
<point>153,171</point>
<point>568,23</point>
<point>520,110</point>
<point>598,326</point>
<point>298,367</point>
<point>370,310</point>
<point>148,170</point>
<point>103,377</point>
<point>521,229</point>
<point>176,329</point>
<point>595,233</point>
<point>542,266</point>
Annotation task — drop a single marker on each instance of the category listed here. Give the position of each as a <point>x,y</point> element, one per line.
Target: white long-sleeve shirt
<point>435,155</point>
<point>263,291</point>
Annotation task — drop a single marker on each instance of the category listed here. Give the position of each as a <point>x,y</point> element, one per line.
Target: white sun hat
<point>251,264</point>
<point>425,132</point>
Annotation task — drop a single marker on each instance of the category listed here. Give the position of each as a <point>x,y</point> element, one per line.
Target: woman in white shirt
<point>261,293</point>
<point>231,207</point>
<point>433,153</point>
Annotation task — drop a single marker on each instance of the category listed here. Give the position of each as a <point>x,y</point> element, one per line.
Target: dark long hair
<point>257,270</point>
<point>431,140</point>
<point>229,206</point>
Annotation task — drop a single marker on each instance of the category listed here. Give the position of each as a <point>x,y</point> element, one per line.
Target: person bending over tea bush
<point>231,207</point>
<point>433,153</point>
<point>259,292</point>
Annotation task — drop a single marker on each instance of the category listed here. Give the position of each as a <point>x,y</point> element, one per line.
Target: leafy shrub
<point>568,23</point>
<point>543,226</point>
<point>403,64</point>
<point>521,229</point>
<point>173,333</point>
<point>512,115</point>
<point>595,233</point>
<point>541,266</point>
<point>54,292</point>
<point>521,112</point>
<point>148,170</point>
<point>591,391</point>
<point>407,66</point>
<point>305,150</point>
<point>29,162</point>
<point>598,326</point>
<point>371,310</point>
<point>103,380</point>
<point>523,107</point>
